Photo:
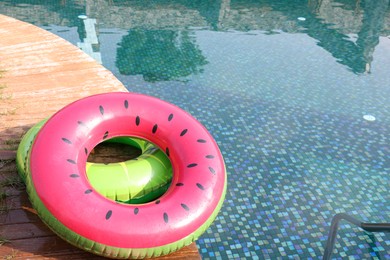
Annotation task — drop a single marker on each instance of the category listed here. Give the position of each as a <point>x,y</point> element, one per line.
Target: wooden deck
<point>39,74</point>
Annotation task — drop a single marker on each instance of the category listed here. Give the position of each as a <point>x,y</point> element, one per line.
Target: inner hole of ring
<point>113,151</point>
<point>129,170</point>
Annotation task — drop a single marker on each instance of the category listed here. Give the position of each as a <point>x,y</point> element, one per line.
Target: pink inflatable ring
<point>59,189</point>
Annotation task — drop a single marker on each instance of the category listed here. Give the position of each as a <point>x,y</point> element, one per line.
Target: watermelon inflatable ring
<point>65,200</point>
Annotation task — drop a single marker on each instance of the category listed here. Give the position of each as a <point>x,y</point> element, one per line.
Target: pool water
<point>296,93</point>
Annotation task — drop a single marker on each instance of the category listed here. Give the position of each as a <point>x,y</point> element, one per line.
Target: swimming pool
<point>296,93</point>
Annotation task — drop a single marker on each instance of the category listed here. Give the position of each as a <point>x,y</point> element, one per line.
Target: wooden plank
<point>56,248</point>
<point>18,200</point>
<point>25,231</point>
<point>39,74</point>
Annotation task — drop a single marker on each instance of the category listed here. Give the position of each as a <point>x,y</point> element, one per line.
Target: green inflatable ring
<point>135,181</point>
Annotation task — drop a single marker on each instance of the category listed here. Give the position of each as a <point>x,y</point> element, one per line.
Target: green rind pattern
<point>24,149</point>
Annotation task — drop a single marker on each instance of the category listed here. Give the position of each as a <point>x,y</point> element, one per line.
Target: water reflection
<point>267,16</point>
<point>44,12</point>
<point>368,37</point>
<point>90,43</point>
<point>164,23</point>
<point>159,55</point>
<point>358,55</point>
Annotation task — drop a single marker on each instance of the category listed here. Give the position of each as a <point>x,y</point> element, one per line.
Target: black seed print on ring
<point>137,120</point>
<point>74,175</point>
<point>71,161</point>
<point>157,201</point>
<point>126,104</point>
<point>136,210</point>
<point>209,156</point>
<point>184,206</point>
<point>201,141</point>
<point>101,110</point>
<point>105,135</point>
<point>108,214</point>
<point>85,151</point>
<point>82,124</point>
<point>211,169</point>
<point>165,217</point>
<point>167,151</point>
<point>170,117</point>
<point>183,132</point>
<point>179,184</point>
<point>192,165</point>
<point>66,140</point>
<point>200,186</point>
<point>154,128</point>
<point>88,191</point>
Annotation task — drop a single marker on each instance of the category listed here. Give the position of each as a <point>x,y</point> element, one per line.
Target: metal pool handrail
<point>371,227</point>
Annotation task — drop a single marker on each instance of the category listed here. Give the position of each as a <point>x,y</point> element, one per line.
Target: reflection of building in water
<point>357,55</point>
<point>346,16</point>
<point>140,14</point>
<point>90,44</point>
<point>43,12</point>
<point>373,20</point>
